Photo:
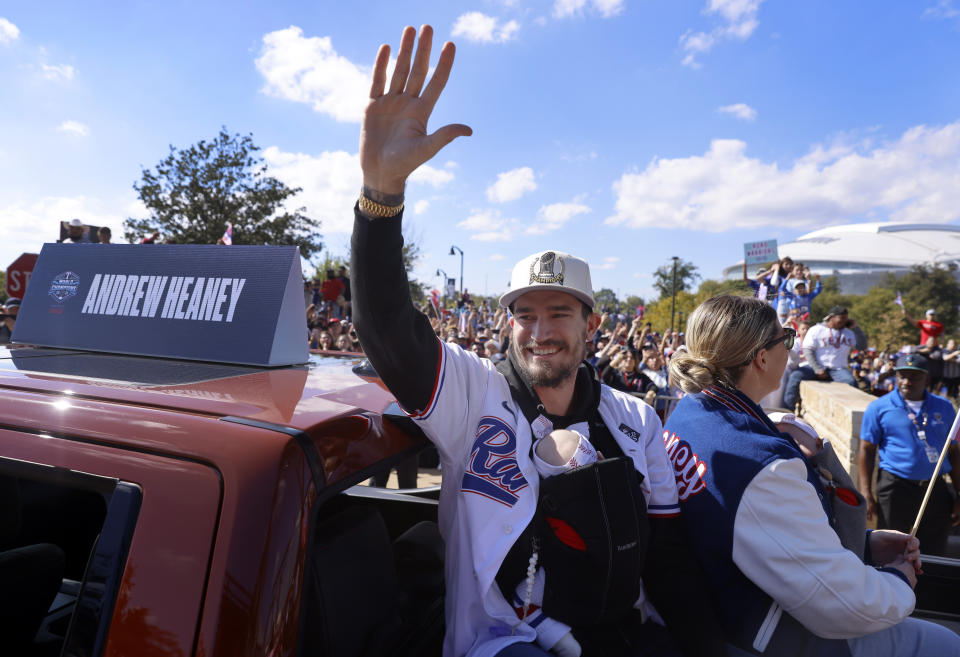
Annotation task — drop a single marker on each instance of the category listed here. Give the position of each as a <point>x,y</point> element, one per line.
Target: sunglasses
<point>788,338</point>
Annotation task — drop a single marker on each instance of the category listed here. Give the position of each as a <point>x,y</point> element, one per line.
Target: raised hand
<point>393,138</point>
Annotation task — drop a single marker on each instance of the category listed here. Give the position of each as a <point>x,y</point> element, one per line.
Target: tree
<point>828,298</point>
<point>410,254</point>
<point>605,300</point>
<point>686,276</point>
<point>330,261</point>
<point>193,194</point>
<point>658,312</point>
<point>631,303</point>
<point>929,286</point>
<point>711,288</point>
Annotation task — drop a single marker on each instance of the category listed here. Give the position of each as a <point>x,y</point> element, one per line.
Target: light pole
<point>457,248</point>
<point>443,286</point>
<point>673,302</point>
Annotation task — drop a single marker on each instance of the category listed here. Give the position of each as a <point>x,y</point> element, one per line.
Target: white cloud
<point>429,175</point>
<point>608,263</point>
<point>331,182</point>
<point>740,21</point>
<point>503,235</point>
<point>511,185</point>
<point>554,216</point>
<point>565,8</point>
<point>308,70</point>
<point>480,28</point>
<point>8,31</point>
<point>27,224</point>
<point>943,9</point>
<point>487,226</point>
<point>497,257</point>
<point>74,128</point>
<point>739,110</point>
<point>57,72</point>
<point>913,179</point>
<point>608,8</point>
<point>482,220</point>
<point>568,8</point>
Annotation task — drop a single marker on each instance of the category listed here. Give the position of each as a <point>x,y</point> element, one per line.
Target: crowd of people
<point>715,533</point>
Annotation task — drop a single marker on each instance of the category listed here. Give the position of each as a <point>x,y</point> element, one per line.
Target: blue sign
<point>760,253</point>
<point>236,304</point>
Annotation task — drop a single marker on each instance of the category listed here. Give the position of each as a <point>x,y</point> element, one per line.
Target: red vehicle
<point>214,510</point>
<point>208,509</point>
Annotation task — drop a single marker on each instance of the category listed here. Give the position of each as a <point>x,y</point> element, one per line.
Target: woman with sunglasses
<point>758,516</point>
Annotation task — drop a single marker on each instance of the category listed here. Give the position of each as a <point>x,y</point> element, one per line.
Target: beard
<point>542,374</point>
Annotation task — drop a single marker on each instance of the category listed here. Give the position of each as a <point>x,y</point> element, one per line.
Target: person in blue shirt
<point>908,427</point>
<point>799,299</point>
<point>762,524</point>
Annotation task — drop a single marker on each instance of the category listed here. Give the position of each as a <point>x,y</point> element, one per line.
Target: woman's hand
<point>887,545</point>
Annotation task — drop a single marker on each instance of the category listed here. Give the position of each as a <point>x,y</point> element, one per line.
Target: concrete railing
<point>836,411</point>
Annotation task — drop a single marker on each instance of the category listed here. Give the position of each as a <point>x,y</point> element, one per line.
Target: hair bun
<point>692,373</point>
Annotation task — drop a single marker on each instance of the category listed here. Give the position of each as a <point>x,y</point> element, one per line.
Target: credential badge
<point>64,285</point>
<point>542,269</point>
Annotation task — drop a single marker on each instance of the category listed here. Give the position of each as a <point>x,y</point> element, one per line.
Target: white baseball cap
<point>931,312</point>
<point>550,270</point>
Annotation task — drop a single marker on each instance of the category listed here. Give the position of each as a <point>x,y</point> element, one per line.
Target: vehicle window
<point>64,537</point>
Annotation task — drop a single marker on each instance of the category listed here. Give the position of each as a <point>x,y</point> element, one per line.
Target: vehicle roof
<point>297,396</point>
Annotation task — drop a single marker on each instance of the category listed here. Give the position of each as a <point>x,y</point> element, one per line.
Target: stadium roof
<point>874,246</point>
<point>882,244</point>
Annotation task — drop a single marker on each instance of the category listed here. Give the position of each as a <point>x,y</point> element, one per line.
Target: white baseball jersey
<point>490,489</point>
<point>832,346</point>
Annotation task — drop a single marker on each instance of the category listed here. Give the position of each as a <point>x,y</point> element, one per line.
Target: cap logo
<point>542,269</point>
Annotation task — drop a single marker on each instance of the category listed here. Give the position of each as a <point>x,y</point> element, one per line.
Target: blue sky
<point>624,131</point>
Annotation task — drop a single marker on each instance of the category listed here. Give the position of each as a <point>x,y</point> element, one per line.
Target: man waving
<point>489,424</point>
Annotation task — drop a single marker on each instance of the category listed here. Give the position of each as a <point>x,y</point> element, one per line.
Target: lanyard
<point>921,425</point>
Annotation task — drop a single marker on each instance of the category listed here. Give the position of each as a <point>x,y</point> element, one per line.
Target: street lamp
<point>673,302</point>
<point>457,248</point>
<point>443,287</point>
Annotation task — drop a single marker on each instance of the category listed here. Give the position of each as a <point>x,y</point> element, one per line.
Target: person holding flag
<point>929,326</point>
<point>907,428</point>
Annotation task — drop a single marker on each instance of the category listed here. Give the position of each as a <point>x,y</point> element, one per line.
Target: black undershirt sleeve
<point>396,337</point>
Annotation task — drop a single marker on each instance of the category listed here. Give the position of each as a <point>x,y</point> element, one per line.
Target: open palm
<point>394,139</point>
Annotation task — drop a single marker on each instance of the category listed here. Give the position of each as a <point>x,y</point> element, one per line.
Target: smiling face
<point>550,334</point>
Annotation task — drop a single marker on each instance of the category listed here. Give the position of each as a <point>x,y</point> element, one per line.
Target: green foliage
<point>410,253</point>
<point>711,288</point>
<point>686,276</point>
<point>605,300</point>
<point>631,303</point>
<point>929,286</point>
<point>193,193</point>
<point>3,283</point>
<point>658,312</point>
<point>828,298</point>
<point>330,261</point>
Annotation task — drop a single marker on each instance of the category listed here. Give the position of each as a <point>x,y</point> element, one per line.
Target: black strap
<point>586,405</point>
